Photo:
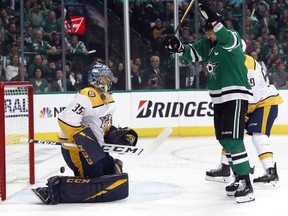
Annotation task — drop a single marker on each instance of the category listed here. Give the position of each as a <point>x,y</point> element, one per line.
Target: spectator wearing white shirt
<point>12,68</point>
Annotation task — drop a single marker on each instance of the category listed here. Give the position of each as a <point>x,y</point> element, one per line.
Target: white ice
<point>170,182</point>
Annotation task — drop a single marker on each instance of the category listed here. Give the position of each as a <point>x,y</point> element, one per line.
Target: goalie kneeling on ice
<point>66,189</point>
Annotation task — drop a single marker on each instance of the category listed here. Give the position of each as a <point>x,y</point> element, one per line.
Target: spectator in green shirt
<point>51,24</point>
<point>39,83</point>
<point>38,62</point>
<point>41,46</point>
<point>36,16</point>
<point>76,46</point>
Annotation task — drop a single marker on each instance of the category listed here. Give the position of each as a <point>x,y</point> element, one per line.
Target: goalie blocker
<point>66,189</point>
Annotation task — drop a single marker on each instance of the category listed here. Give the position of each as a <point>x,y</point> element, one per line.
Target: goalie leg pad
<point>118,166</point>
<point>103,167</point>
<point>78,163</point>
<point>89,146</point>
<point>122,136</point>
<point>66,189</point>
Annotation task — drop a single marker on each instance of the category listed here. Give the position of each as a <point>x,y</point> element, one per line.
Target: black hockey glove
<point>208,11</point>
<point>121,136</point>
<point>173,44</point>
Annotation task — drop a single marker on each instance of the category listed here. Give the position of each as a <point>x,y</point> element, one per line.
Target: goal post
<point>16,120</point>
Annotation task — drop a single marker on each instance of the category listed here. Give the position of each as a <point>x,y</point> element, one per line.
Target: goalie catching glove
<point>173,44</point>
<point>122,136</point>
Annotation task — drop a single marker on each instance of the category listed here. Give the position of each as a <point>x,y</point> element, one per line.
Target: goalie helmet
<point>100,76</point>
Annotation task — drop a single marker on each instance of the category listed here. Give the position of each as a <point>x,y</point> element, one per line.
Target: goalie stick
<point>114,148</point>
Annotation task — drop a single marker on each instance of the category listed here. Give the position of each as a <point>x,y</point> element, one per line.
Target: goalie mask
<point>100,76</point>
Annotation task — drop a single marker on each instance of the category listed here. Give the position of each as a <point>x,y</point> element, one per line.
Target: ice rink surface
<point>170,182</point>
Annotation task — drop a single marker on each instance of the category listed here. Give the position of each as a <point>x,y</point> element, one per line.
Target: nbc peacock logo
<point>45,112</point>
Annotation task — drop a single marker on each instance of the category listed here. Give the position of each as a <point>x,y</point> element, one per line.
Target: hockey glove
<point>121,136</point>
<point>208,12</point>
<point>173,44</point>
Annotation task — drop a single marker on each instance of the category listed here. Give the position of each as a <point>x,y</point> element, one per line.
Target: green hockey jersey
<point>225,63</point>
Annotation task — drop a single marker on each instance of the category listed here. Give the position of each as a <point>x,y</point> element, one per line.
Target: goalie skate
<point>270,177</point>
<point>42,194</point>
<point>221,174</point>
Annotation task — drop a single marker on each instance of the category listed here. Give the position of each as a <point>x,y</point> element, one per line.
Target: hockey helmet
<point>96,75</point>
<point>207,26</point>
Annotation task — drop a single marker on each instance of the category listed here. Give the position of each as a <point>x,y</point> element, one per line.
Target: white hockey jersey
<point>87,109</point>
<point>264,94</point>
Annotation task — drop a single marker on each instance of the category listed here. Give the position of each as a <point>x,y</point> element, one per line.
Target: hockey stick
<point>91,51</point>
<point>114,148</point>
<point>184,15</point>
<point>165,133</point>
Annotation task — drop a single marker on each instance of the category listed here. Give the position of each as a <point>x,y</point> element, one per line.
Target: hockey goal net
<point>17,121</point>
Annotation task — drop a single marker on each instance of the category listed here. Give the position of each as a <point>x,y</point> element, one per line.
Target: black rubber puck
<point>62,169</point>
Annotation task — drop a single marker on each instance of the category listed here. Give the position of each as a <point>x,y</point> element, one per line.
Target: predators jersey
<point>87,109</point>
<point>264,94</point>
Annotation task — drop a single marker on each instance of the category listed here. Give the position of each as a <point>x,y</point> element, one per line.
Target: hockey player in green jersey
<point>221,50</point>
<point>262,112</point>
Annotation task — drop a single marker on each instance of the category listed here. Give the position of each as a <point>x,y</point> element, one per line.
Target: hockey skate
<point>232,188</point>
<point>42,194</point>
<point>270,176</point>
<point>221,174</point>
<point>244,192</point>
